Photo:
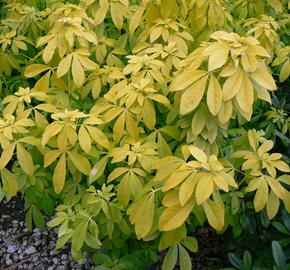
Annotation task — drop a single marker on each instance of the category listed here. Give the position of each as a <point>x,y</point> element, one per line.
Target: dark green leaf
<point>280,227</point>
<point>102,259</point>
<point>235,261</point>
<point>279,256</point>
<point>264,218</point>
<point>28,219</point>
<point>38,218</point>
<point>247,260</point>
<point>286,220</point>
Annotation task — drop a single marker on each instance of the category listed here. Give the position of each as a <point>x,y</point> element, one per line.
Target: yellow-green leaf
<point>187,78</point>
<point>171,198</point>
<point>132,126</point>
<point>50,131</point>
<point>119,128</point>
<point>276,187</point>
<point>253,185</point>
<point>198,121</point>
<point>117,15</point>
<point>116,173</point>
<point>59,174</point>
<point>43,83</point>
<point>186,190</point>
<point>170,258</point>
<point>286,201</point>
<point>102,11</point>
<point>176,178</point>
<point>124,192</point>
<point>184,259</point>
<point>144,219</point>
<point>171,238</point>
<point>225,112</point>
<point>214,95</point>
<point>232,85</point>
<point>48,52</point>
<point>25,160</point>
<point>136,19</point>
<point>9,182</point>
<point>261,196</point>
<point>192,96</point>
<point>79,234</point>
<point>281,166</point>
<point>245,96</point>
<point>34,70</point>
<point>98,170</point>
<point>7,155</point>
<point>64,66</point>
<point>249,62</point>
<point>264,78</point>
<point>50,157</point>
<point>198,154</point>
<point>174,217</point>
<point>285,71</point>
<point>272,206</point>
<point>46,107</point>
<point>98,136</point>
<point>215,214</point>
<point>61,241</point>
<point>149,115</point>
<point>81,163</point>
<point>87,63</point>
<point>218,58</point>
<point>77,72</point>
<point>220,182</point>
<point>85,139</point>
<point>204,188</point>
<point>190,243</point>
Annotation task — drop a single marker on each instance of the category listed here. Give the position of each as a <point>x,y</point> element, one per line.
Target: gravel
<point>21,249</point>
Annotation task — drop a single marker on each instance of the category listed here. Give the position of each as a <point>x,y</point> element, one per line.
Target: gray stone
<point>35,259</point>
<point>9,262</point>
<point>52,252</point>
<point>55,261</point>
<point>37,243</point>
<point>30,266</point>
<point>30,250</point>
<point>11,249</point>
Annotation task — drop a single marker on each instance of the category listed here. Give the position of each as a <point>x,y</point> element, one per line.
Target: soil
<point>211,253</point>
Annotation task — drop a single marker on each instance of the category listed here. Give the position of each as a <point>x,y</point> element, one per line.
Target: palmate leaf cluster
<point>120,114</point>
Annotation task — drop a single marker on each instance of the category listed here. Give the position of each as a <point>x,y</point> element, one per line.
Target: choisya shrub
<point>119,114</point>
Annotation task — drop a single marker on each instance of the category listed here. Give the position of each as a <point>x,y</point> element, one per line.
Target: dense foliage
<point>145,119</point>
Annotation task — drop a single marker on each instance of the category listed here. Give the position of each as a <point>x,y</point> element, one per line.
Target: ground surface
<point>21,249</point>
<point>211,254</point>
